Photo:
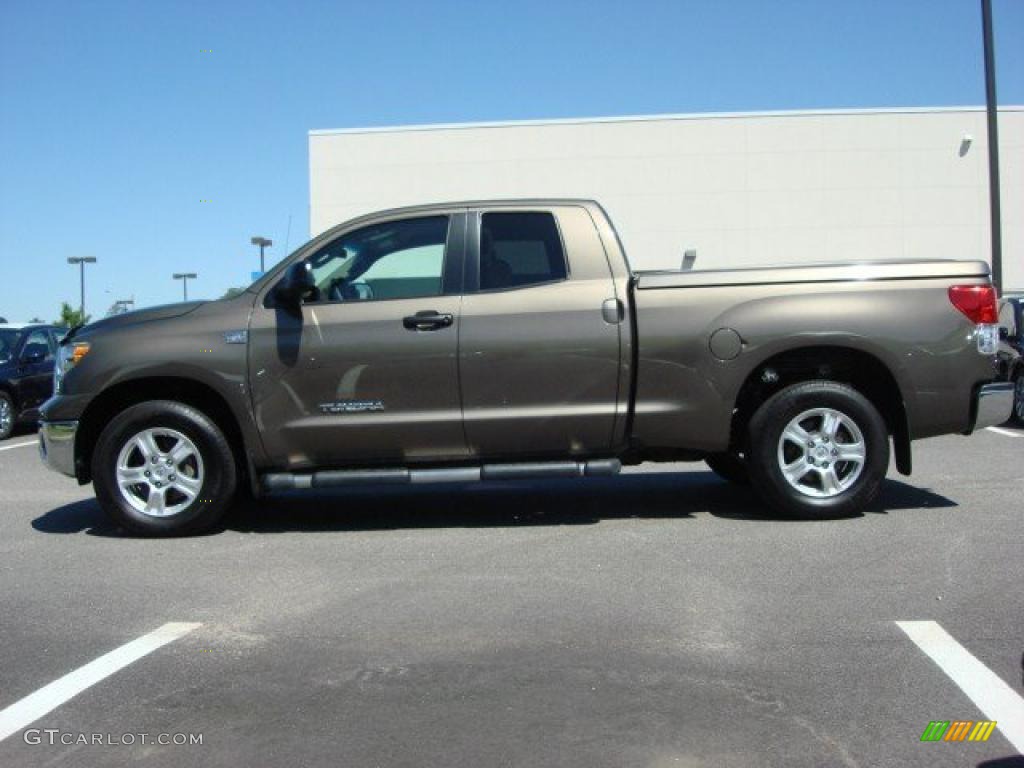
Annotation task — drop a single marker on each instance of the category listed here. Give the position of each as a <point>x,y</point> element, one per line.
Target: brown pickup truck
<point>503,340</point>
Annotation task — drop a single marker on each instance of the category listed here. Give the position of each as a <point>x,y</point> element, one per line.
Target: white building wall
<point>742,189</point>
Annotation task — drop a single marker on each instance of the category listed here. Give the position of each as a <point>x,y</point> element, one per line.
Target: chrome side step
<point>339,478</point>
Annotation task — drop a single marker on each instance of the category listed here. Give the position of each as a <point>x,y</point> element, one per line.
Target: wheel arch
<point>191,392</point>
<point>862,370</point>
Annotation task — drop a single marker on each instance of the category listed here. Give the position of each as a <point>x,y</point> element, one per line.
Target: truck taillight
<point>977,302</point>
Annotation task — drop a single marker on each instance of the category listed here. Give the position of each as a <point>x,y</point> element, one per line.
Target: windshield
<point>8,343</point>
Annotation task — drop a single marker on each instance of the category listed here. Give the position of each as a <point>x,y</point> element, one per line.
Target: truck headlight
<point>68,356</point>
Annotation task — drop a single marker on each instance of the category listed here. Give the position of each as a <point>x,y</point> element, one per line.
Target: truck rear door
<point>539,339</point>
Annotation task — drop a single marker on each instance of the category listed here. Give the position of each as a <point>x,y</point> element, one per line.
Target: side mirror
<point>296,283</point>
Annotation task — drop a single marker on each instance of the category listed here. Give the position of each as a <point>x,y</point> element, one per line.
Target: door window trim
<point>452,270</point>
<point>451,267</point>
<point>471,279</point>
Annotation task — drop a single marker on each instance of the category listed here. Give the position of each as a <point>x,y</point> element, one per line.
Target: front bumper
<point>993,405</point>
<point>57,445</point>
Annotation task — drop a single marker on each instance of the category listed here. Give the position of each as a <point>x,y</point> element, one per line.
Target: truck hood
<point>162,312</point>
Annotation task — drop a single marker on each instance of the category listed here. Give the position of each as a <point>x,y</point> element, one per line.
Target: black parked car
<point>1011,351</point>
<point>26,371</point>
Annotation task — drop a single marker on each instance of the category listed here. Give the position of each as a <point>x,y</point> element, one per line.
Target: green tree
<point>70,317</point>
<point>230,293</point>
<point>36,319</point>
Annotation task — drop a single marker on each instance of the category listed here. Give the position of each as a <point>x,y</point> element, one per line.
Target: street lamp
<point>992,119</point>
<point>185,277</point>
<point>122,304</point>
<point>81,261</point>
<point>262,242</point>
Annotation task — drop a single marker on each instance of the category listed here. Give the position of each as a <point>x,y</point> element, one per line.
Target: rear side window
<point>519,249</point>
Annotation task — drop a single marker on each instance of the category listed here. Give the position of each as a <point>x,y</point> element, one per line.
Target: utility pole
<point>185,277</point>
<point>81,261</point>
<point>262,242</point>
<point>993,144</point>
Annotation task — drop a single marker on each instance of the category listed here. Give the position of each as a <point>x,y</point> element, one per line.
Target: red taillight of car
<point>977,302</point>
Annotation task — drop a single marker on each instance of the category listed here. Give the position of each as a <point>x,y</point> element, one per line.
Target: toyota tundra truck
<point>492,341</point>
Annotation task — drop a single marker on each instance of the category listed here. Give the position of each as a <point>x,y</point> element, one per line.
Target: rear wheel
<point>6,416</point>
<point>819,450</point>
<point>163,468</point>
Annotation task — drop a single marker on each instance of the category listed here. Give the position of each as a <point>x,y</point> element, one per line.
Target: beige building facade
<point>741,189</point>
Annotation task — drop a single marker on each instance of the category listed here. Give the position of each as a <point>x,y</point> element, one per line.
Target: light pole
<point>81,261</point>
<point>185,277</point>
<point>993,143</point>
<point>262,242</point>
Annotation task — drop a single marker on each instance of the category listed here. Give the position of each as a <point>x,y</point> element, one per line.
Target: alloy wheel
<point>159,472</point>
<point>822,452</point>
<point>6,416</point>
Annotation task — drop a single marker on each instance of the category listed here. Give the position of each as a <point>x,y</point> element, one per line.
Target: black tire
<point>767,453</point>
<point>215,478</point>
<point>729,466</point>
<point>7,423</point>
<point>1017,414</point>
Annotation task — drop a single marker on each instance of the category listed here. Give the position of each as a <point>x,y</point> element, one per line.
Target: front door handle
<point>428,320</point>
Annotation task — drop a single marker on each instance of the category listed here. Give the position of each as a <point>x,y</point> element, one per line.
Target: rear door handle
<point>428,320</point>
<point>613,311</point>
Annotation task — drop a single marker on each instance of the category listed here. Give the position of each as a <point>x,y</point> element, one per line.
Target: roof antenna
<point>689,256</point>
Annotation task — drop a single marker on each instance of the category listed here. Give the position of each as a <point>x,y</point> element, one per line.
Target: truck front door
<point>365,370</point>
<point>539,353</point>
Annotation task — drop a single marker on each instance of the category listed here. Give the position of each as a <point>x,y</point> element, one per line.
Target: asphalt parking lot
<point>656,619</point>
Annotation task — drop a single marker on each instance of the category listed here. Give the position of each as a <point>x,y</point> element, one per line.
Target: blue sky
<point>115,125</point>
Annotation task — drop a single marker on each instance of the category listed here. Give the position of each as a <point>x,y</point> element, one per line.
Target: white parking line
<point>17,445</point>
<point>29,709</point>
<point>1001,431</point>
<point>985,688</point>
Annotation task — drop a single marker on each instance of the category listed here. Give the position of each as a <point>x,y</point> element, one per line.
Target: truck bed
<point>696,355</point>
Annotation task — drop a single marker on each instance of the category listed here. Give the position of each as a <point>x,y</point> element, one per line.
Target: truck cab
<point>445,335</point>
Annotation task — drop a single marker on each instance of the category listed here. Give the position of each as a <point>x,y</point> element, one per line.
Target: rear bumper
<point>57,445</point>
<point>993,405</point>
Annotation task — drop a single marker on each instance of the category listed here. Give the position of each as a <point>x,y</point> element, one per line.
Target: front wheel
<point>163,468</point>
<point>819,450</point>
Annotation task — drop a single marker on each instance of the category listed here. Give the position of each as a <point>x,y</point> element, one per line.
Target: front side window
<point>393,260</point>
<point>519,249</point>
<point>38,344</point>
